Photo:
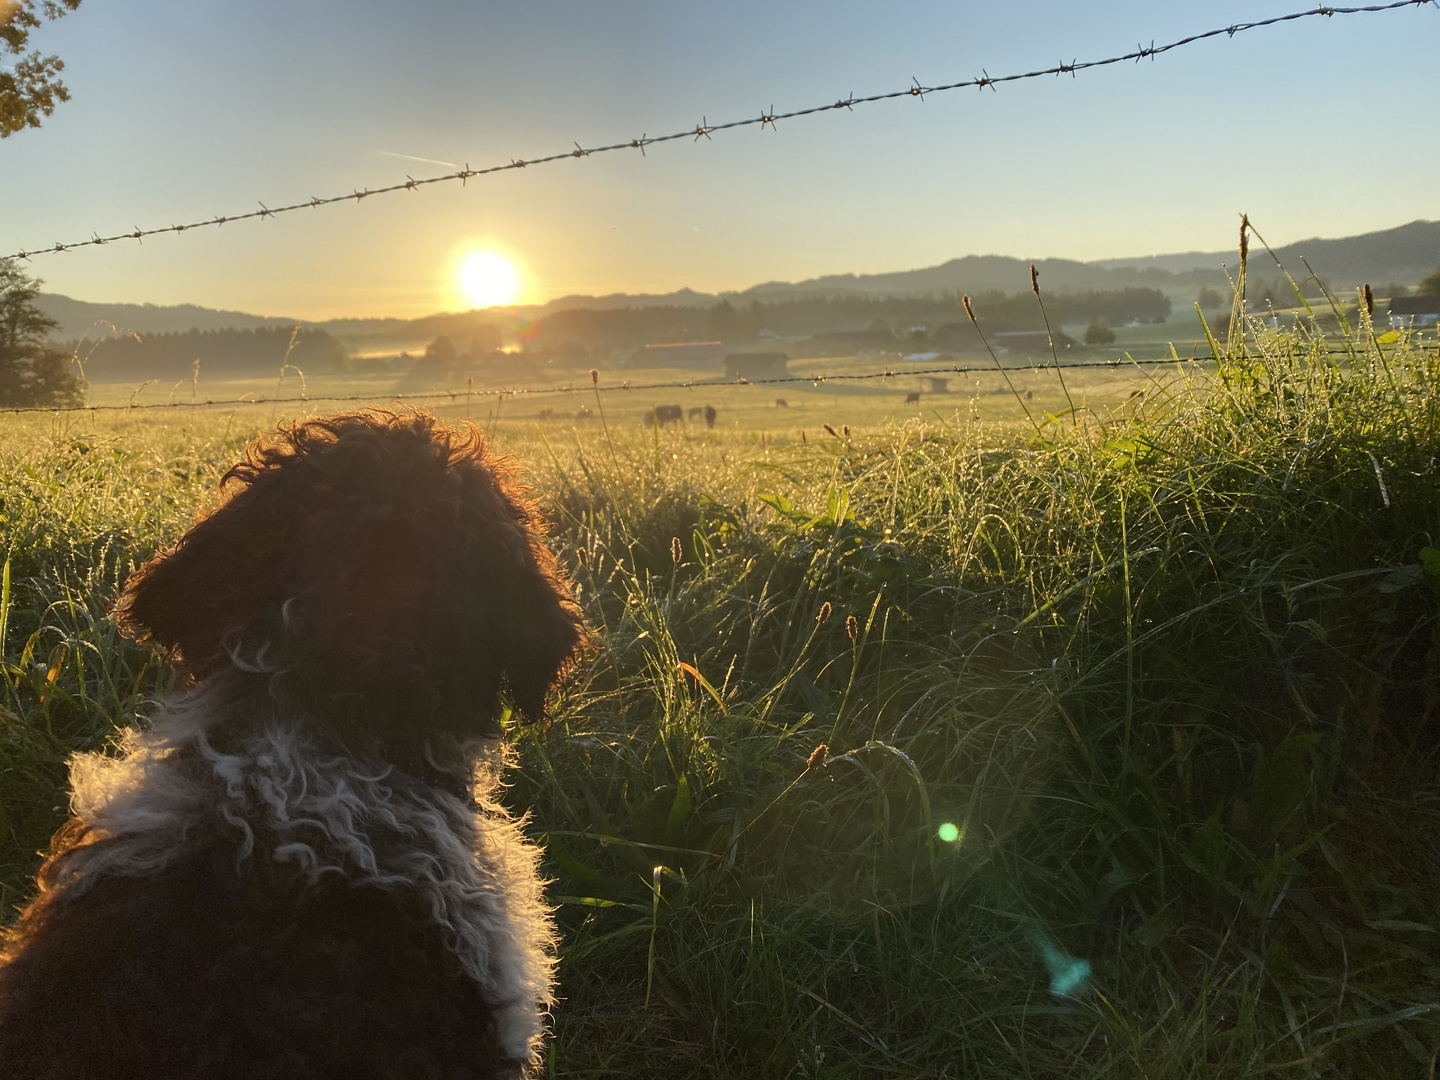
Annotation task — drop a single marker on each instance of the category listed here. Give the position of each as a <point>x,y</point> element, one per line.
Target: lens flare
<point>949,832</point>
<point>1067,974</point>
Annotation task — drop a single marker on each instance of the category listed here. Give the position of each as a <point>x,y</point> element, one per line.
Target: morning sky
<point>181,109</point>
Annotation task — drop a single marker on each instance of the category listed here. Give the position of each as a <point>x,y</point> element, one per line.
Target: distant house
<point>1032,343</point>
<point>756,365</point>
<point>1414,310</point>
<point>932,385</point>
<point>679,354</point>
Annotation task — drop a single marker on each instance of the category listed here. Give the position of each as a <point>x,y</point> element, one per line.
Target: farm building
<point>678,354</point>
<point>1415,310</point>
<point>757,365</point>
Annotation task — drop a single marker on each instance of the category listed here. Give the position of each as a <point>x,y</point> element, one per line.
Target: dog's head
<point>384,570</point>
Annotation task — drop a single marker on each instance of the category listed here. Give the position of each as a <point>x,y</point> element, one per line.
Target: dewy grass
<point>1131,723</point>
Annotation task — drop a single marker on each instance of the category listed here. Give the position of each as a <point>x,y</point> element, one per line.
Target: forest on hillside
<point>219,352</point>
<point>632,327</point>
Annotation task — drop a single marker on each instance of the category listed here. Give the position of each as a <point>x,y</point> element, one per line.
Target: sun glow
<point>487,279</point>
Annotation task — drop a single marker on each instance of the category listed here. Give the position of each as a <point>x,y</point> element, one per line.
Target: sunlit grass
<point>1130,724</point>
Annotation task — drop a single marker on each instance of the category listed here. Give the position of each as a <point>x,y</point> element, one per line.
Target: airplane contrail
<point>412,157</point>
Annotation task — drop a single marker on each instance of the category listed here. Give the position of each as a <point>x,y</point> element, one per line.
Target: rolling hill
<point>1401,255</point>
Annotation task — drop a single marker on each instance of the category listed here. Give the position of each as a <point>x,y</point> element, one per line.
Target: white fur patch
<point>333,814</point>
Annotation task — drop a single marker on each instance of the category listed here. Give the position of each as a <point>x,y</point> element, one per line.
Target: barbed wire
<point>472,393</point>
<point>705,129</point>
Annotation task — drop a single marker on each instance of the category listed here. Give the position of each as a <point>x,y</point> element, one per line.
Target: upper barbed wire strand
<point>915,90</point>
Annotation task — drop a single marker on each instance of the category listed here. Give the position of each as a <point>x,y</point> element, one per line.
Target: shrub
<point>1099,333</point>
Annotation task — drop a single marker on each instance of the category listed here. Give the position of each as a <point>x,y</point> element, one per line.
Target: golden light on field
<point>487,279</point>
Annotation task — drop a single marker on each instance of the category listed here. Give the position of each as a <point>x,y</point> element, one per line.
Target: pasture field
<point>1130,716</point>
<point>785,408</point>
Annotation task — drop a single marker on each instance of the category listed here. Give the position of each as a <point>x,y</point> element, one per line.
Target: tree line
<point>726,321</point>
<point>224,352</point>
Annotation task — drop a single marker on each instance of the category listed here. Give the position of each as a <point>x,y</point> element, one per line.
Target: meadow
<point>985,737</point>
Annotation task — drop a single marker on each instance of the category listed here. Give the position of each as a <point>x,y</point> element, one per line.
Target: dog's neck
<point>236,702</point>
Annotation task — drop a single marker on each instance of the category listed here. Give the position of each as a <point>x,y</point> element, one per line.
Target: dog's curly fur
<point>298,868</point>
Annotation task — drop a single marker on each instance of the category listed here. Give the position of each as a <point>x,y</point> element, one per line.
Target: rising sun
<point>488,278</point>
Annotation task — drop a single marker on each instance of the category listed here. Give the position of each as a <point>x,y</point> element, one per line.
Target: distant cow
<point>664,414</point>
<point>583,413</point>
<point>709,416</point>
<point>695,413</point>
<point>781,403</point>
<point>912,398</point>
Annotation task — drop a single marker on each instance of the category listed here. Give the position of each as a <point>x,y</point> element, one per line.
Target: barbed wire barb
<point>980,82</point>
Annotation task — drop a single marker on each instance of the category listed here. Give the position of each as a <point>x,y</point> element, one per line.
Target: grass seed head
<point>1034,280</point>
<point>824,612</point>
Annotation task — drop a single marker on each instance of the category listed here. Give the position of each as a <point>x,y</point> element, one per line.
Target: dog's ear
<point>542,633</point>
<point>202,598</point>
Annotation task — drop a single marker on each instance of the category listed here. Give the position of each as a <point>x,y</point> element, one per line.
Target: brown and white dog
<point>296,868</point>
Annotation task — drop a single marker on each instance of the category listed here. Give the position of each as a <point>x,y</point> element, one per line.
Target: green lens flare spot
<point>949,832</point>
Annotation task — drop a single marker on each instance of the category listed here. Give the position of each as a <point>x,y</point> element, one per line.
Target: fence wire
<point>471,394</point>
<point>705,129</point>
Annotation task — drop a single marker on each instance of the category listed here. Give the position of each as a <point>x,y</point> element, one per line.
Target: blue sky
<point>184,110</point>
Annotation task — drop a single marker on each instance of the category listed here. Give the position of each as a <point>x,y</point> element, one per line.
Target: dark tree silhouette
<point>1099,333</point>
<point>1430,286</point>
<point>32,88</point>
<point>724,321</point>
<point>441,351</point>
<point>32,373</point>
